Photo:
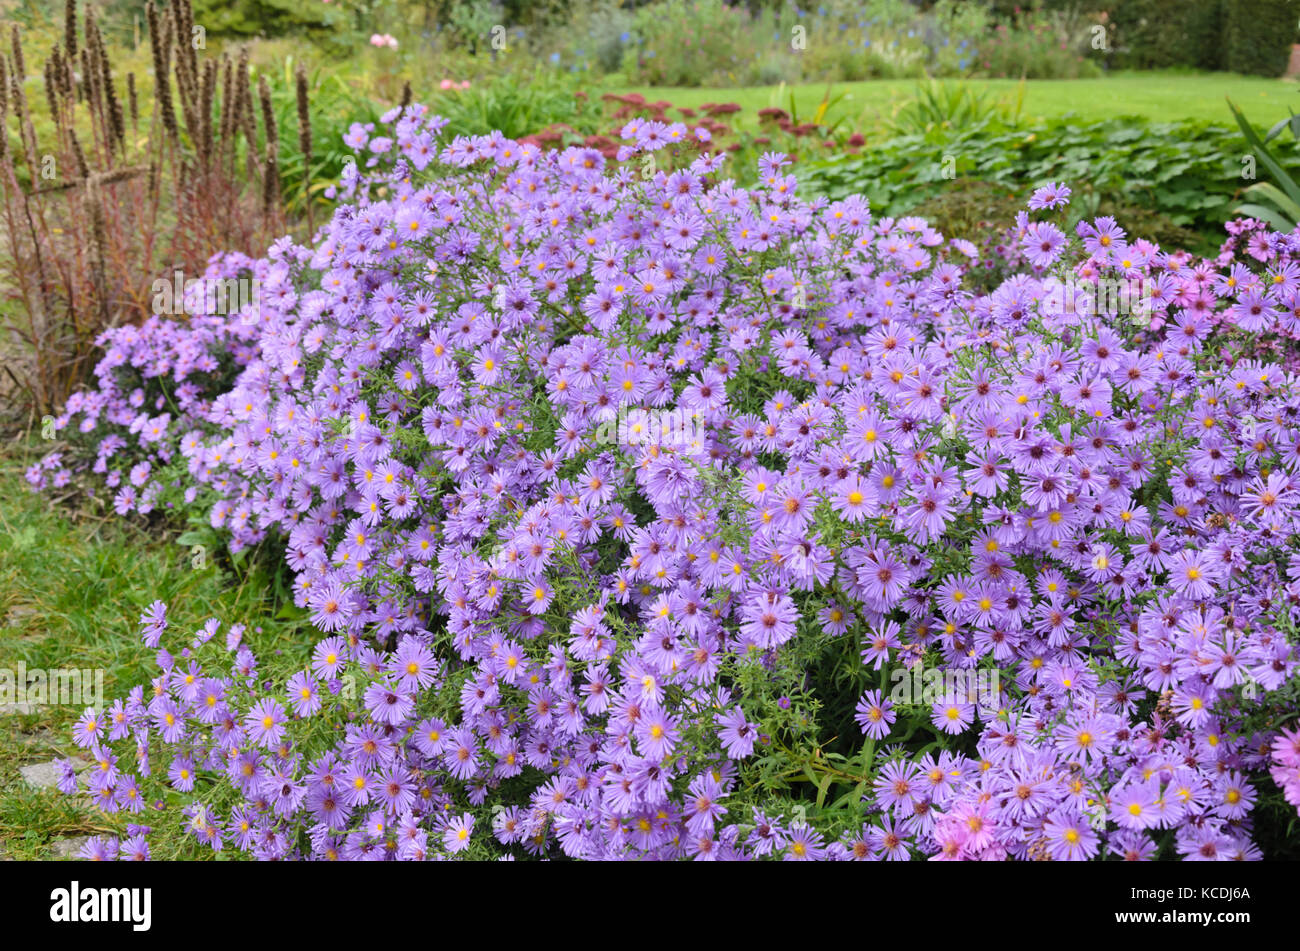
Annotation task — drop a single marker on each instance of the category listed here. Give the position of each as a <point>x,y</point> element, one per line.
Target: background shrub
<point>1259,35</point>
<point>1188,173</point>
<point>266,17</point>
<point>1163,34</point>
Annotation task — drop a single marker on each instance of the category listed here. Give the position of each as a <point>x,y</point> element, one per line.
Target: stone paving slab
<point>68,848</point>
<point>41,775</point>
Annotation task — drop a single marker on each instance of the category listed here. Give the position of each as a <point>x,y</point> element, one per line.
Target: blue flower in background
<point>866,43</point>
<point>624,36</point>
<point>555,57</point>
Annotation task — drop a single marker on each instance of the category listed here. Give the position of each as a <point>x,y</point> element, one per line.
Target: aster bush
<point>153,386</point>
<point>626,499</point>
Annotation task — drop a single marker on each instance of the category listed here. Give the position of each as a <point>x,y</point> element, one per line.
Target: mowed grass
<point>1157,95</point>
<point>72,588</point>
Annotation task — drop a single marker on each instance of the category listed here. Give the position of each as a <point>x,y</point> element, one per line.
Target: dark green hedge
<point>260,17</point>
<point>1244,36</point>
<point>1259,35</point>
<point>1160,34</point>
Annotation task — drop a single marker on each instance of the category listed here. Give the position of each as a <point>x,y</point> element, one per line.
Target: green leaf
<point>291,612</point>
<point>1270,192</point>
<point>822,788</point>
<point>1274,220</point>
<point>1265,156</point>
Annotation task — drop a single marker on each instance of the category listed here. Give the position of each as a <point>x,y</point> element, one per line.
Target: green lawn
<point>1154,95</point>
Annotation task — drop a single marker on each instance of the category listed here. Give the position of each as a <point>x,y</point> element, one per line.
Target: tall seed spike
<point>227,103</point>
<point>4,109</point>
<point>304,142</point>
<point>245,114</point>
<point>59,72</point>
<point>186,81</point>
<point>184,34</point>
<point>189,19</point>
<point>70,29</point>
<point>91,28</point>
<point>116,123</point>
<point>270,185</point>
<point>99,246</point>
<point>52,84</point>
<point>226,107</point>
<point>20,64</point>
<point>26,132</point>
<point>271,179</point>
<point>304,115</point>
<point>90,80</point>
<point>186,53</point>
<point>90,56</point>
<point>161,70</point>
<point>268,113</point>
<point>205,113</point>
<point>79,156</point>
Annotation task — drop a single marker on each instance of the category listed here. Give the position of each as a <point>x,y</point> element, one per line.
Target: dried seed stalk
<point>162,84</point>
<point>4,109</point>
<point>206,96</point>
<point>133,103</point>
<point>271,178</point>
<point>304,142</point>
<point>70,29</point>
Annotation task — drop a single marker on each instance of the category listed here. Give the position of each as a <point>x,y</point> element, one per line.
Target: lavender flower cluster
<point>550,625</point>
<point>153,389</point>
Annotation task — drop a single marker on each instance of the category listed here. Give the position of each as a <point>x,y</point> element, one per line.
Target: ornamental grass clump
<point>120,191</point>
<point>631,506</point>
